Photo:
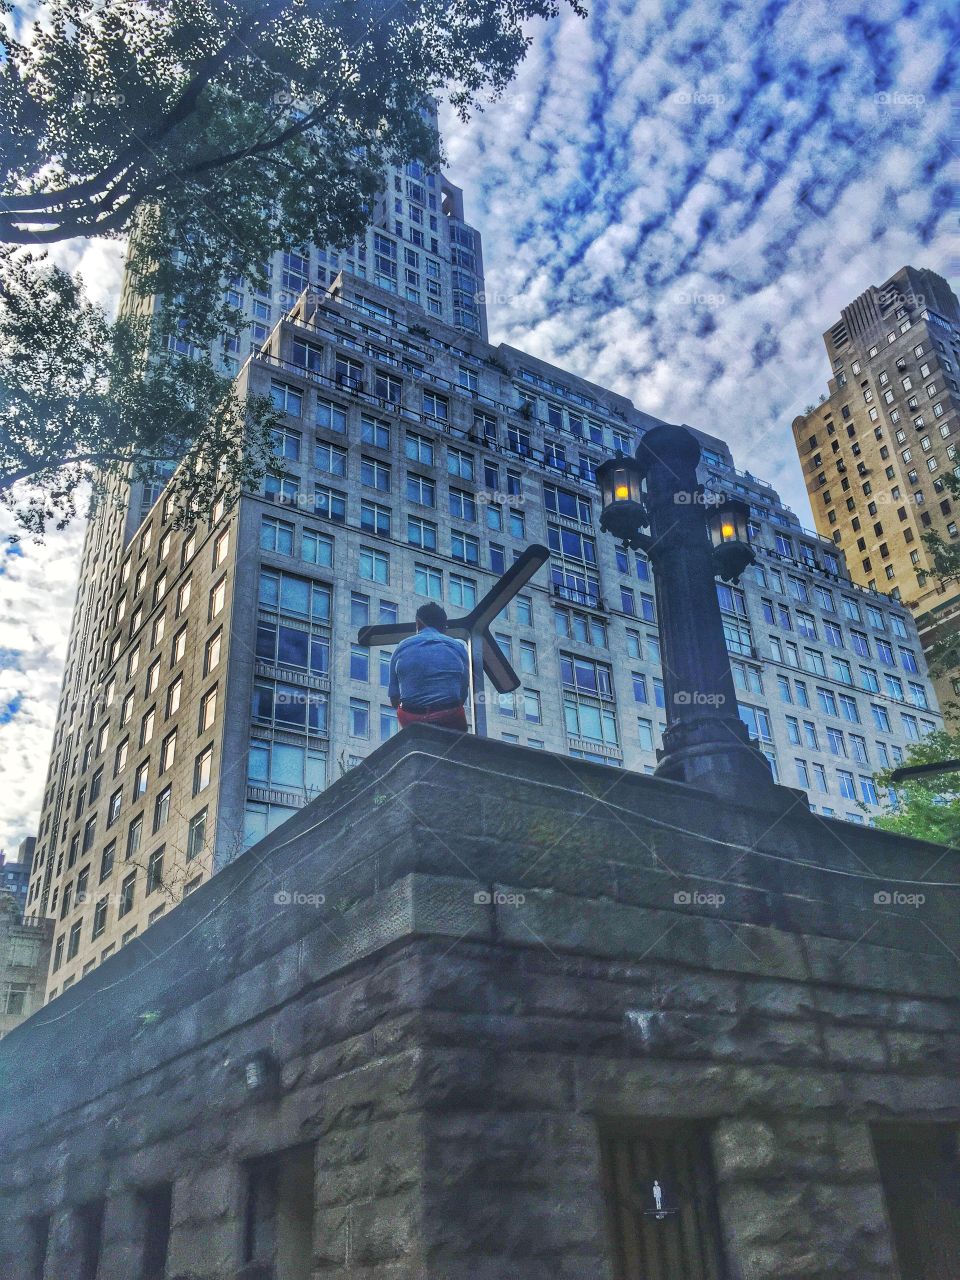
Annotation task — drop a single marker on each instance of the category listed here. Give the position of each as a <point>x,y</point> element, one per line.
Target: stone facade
<point>24,960</point>
<point>453,983</point>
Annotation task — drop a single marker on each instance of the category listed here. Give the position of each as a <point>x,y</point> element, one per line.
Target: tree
<point>83,400</point>
<point>216,131</point>
<point>927,808</point>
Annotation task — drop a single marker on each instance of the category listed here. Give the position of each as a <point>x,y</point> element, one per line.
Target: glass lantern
<point>624,513</point>
<point>727,522</point>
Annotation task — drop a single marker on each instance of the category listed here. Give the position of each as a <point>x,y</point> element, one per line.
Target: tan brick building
<point>875,451</point>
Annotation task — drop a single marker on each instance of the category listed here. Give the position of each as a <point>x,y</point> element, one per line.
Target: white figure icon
<point>657,1195</point>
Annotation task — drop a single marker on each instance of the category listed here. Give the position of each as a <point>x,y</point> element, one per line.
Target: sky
<point>676,200</point>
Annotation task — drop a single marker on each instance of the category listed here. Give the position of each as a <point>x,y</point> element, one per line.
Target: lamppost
<point>693,536</point>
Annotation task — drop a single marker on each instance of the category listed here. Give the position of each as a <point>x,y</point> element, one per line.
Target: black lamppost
<point>693,535</point>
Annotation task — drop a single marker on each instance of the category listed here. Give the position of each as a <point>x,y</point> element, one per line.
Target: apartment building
<point>214,684</point>
<point>876,450</point>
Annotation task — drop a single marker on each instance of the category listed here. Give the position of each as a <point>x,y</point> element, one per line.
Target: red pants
<point>448,718</point>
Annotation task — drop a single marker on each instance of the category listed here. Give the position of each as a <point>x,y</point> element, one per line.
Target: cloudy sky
<point>676,200</point>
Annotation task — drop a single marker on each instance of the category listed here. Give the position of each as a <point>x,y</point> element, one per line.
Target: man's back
<point>429,671</point>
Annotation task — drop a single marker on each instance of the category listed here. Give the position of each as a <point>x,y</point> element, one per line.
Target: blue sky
<point>676,199</point>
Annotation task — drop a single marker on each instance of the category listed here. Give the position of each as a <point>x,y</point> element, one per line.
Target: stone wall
<point>454,1052</point>
<point>24,960</point>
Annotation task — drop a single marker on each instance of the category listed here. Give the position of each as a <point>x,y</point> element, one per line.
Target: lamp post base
<point>717,754</point>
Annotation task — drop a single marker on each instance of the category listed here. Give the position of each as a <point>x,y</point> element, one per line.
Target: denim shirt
<point>428,671</point>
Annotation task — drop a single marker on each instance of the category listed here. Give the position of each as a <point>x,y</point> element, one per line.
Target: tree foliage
<point>84,399</point>
<point>944,556</point>
<point>927,808</point>
<point>218,132</point>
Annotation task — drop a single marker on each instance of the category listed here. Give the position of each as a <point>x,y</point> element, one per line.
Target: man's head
<point>431,615</point>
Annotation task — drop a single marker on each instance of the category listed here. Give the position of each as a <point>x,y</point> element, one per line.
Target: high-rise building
<point>875,450</point>
<point>15,876</point>
<point>213,682</point>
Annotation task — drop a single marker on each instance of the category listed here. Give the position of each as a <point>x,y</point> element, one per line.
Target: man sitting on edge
<point>429,680</point>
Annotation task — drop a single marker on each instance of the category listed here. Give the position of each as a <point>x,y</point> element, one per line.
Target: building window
<point>463,505</point>
<point>422,490</point>
<point>465,547</point>
<point>276,535</point>
<point>211,654</point>
<point>330,504</point>
<point>174,694</point>
<point>330,458</point>
<point>428,581</point>
<point>161,808</point>
<point>289,706</point>
<point>114,806</point>
<point>134,834</point>
<point>375,518</point>
<point>374,565</point>
<point>463,591</point>
<point>419,449</point>
<point>73,945</point>
<point>107,859</point>
<point>286,399</point>
<point>202,768</point>
<point>208,710</point>
<point>127,892</point>
<point>359,718</point>
<point>179,646</point>
<point>374,432</point>
<point>460,464</point>
<point>140,780</point>
<point>434,406</point>
<point>155,871</point>
<point>421,533</point>
<point>99,918</point>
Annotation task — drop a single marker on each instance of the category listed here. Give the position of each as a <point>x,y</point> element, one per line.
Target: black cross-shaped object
<point>474,627</point>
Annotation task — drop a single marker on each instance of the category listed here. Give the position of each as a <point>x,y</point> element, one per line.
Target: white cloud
<point>37,588</point>
<point>657,152</point>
